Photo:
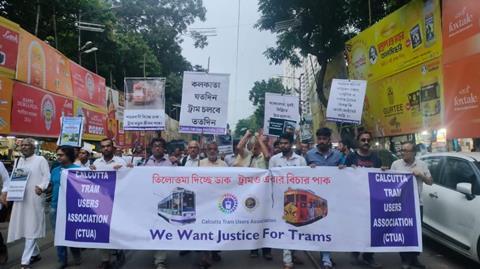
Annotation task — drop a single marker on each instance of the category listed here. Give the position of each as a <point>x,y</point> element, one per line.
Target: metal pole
<point>79,38</point>
<point>144,59</point>
<point>37,21</point>
<point>96,67</point>
<point>55,27</point>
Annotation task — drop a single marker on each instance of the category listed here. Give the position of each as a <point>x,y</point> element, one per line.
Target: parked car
<point>452,203</point>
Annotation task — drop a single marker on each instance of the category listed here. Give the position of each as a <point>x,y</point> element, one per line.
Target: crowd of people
<point>28,217</point>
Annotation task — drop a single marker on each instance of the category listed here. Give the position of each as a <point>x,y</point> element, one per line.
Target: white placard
<point>204,103</point>
<point>345,103</point>
<point>281,113</point>
<point>18,184</point>
<point>145,104</point>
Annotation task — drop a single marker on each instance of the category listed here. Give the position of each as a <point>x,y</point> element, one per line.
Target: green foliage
<point>137,33</point>
<point>249,123</point>
<point>317,27</point>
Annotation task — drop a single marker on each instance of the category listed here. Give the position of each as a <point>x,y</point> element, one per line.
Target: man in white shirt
<point>287,157</point>
<point>193,157</point>
<point>83,159</point>
<point>108,162</point>
<point>28,216</point>
<point>419,169</point>
<point>212,159</point>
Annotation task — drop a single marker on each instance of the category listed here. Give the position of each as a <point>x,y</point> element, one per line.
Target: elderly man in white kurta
<point>28,216</point>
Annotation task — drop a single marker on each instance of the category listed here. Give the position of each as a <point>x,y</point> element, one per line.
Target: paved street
<point>434,256</point>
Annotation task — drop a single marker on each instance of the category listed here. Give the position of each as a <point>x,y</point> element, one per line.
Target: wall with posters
<point>407,102</point>
<point>43,66</point>
<point>95,123</point>
<point>88,86</point>
<point>6,87</point>
<point>461,67</point>
<point>407,37</point>
<point>9,39</point>
<point>37,112</point>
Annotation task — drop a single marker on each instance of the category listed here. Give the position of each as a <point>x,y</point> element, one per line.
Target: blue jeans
<point>61,250</point>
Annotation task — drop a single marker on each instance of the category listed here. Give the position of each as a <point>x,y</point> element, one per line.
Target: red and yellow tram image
<point>302,207</point>
<point>178,207</point>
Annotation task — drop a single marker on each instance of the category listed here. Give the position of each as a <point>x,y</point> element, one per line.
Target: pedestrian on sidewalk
<point>66,157</point>
<point>4,212</point>
<point>28,216</point>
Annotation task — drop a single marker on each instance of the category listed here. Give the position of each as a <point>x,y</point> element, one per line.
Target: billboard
<point>409,36</point>
<point>43,66</point>
<point>6,87</point>
<point>9,39</point>
<point>95,121</point>
<point>37,112</point>
<point>88,86</point>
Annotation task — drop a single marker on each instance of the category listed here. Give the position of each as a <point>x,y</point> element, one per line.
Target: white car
<point>451,211</point>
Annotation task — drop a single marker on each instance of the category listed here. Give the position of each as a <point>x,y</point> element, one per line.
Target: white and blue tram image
<point>178,207</point>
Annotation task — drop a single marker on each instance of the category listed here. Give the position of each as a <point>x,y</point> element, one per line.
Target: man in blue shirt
<point>324,155</point>
<point>66,157</point>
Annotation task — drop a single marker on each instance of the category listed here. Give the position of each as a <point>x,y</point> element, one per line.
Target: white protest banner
<point>145,104</point>
<point>281,113</point>
<point>239,208</point>
<point>345,103</point>
<point>204,103</point>
<point>17,185</point>
<point>71,132</point>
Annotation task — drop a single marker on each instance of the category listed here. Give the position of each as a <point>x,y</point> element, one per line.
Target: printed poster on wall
<point>345,102</point>
<point>94,123</point>
<point>281,113</point>
<point>37,112</point>
<point>71,132</point>
<point>9,40</point>
<point>43,66</point>
<point>407,37</point>
<point>88,86</point>
<point>145,104</point>
<point>185,208</point>
<point>6,87</point>
<point>204,103</point>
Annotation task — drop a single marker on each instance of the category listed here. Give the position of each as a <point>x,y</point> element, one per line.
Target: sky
<point>252,64</point>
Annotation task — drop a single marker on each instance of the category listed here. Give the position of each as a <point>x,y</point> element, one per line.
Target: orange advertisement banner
<point>9,39</point>
<point>42,66</point>
<point>95,121</point>
<point>462,97</point>
<point>461,29</point>
<point>6,88</point>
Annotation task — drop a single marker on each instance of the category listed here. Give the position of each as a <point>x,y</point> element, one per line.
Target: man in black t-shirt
<point>364,157</point>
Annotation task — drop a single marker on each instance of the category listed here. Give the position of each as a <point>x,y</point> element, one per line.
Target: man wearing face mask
<point>323,155</point>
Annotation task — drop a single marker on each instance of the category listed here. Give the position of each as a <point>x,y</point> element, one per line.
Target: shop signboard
<point>42,66</point>
<point>88,86</point>
<point>95,121</point>
<point>9,39</point>
<point>407,102</point>
<point>37,112</point>
<point>461,68</point>
<point>6,87</point>
<point>407,37</point>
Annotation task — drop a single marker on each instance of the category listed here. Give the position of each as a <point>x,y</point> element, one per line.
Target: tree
<point>317,27</point>
<point>249,123</point>
<point>257,97</point>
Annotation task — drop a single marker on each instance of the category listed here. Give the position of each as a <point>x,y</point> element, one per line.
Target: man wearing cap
<point>83,158</point>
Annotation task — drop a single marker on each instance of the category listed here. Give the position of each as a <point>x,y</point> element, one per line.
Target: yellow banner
<point>6,88</point>
<point>407,102</point>
<point>407,37</point>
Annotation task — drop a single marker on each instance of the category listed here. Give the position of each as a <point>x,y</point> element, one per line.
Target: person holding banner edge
<point>419,169</point>
<point>364,157</point>
<point>28,216</point>
<point>323,155</point>
<point>287,157</point>
<point>66,158</point>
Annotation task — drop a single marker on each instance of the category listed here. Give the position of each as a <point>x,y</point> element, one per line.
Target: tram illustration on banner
<point>178,207</point>
<point>302,207</point>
